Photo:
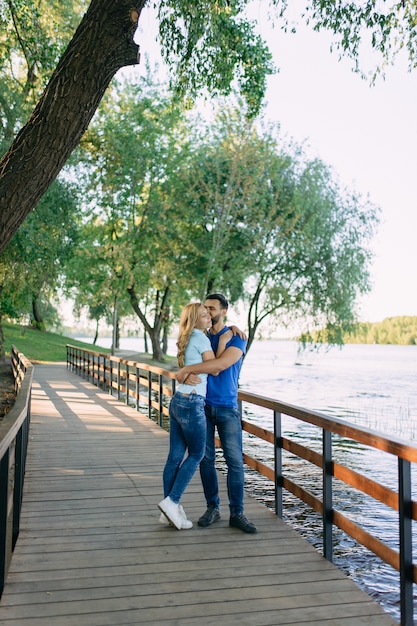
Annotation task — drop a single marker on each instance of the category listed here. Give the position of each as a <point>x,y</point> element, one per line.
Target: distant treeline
<point>392,330</point>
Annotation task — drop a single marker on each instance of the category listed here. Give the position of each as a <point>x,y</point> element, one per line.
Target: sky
<point>366,134</point>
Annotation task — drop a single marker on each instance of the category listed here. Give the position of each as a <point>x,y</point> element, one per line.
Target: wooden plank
<point>91,550</point>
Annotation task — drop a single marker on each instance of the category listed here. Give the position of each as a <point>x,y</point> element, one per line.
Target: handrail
<point>14,436</point>
<point>128,377</point>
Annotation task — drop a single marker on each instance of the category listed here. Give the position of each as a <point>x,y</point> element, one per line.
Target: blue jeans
<point>229,429</point>
<point>187,430</point>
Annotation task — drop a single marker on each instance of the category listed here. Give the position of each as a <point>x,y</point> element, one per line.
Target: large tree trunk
<point>96,333</point>
<point>102,44</point>
<point>2,349</point>
<point>37,315</point>
<point>153,332</point>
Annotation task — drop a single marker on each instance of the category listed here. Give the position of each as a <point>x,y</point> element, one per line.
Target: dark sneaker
<point>242,522</point>
<point>210,516</point>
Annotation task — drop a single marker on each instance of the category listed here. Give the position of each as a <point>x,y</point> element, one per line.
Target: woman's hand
<point>223,340</point>
<point>236,331</point>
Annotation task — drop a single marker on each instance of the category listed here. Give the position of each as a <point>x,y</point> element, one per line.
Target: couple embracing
<point>210,358</point>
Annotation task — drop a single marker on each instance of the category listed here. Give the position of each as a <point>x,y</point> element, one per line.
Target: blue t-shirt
<point>222,389</point>
<point>198,343</point>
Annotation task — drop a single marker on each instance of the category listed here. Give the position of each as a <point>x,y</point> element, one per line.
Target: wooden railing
<point>138,383</point>
<point>14,433</point>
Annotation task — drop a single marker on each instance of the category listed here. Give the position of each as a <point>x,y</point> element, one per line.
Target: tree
<point>130,161</point>
<point>33,36</point>
<point>312,259</point>
<point>96,274</point>
<point>220,188</point>
<point>207,41</point>
<point>385,27</point>
<point>33,264</point>
<point>274,229</point>
<point>196,34</point>
<point>101,45</point>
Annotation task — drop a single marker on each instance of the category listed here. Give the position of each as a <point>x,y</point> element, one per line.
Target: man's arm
<point>229,357</point>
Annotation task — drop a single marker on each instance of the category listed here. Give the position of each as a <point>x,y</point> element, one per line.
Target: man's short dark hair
<point>220,297</point>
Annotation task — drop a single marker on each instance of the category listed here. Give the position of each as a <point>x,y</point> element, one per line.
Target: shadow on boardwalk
<point>91,551</point>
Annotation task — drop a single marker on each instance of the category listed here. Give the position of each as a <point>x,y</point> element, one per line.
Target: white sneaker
<point>186,524</point>
<point>171,512</point>
<point>163,520</point>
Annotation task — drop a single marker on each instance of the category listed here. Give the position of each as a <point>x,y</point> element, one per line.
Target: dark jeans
<point>229,428</point>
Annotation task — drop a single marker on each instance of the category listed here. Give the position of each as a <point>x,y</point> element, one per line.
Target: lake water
<point>370,385</point>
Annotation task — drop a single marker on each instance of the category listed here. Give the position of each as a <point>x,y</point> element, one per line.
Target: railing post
<point>127,384</point>
<point>406,547</point>
<point>18,482</point>
<point>161,404</point>
<point>327,496</point>
<point>104,374</point>
<point>278,462</point>
<point>137,387</point>
<point>150,395</point>
<point>4,498</point>
<point>118,380</point>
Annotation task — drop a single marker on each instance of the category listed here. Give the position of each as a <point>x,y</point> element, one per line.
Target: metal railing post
<point>161,404</point>
<point>137,388</point>
<point>278,462</point>
<point>150,395</point>
<point>4,498</point>
<point>406,547</point>
<point>127,384</point>
<point>327,496</point>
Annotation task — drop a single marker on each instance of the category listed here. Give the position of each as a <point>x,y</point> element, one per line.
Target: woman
<point>186,413</point>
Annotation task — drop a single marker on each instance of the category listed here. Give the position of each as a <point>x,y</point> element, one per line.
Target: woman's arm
<point>223,339</point>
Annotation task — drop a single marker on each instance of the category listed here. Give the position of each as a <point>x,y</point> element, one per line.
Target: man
<point>222,412</point>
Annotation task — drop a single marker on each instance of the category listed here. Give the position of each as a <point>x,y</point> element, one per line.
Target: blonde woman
<point>186,413</point>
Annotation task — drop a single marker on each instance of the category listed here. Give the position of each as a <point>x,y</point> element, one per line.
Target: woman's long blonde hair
<point>188,320</point>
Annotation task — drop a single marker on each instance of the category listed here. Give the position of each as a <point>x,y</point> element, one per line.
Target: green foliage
<point>400,330</point>
<point>387,28</point>
<point>130,248</point>
<point>210,44</point>
<point>275,229</point>
<point>178,207</point>
<point>33,263</point>
<point>33,35</point>
<point>392,330</point>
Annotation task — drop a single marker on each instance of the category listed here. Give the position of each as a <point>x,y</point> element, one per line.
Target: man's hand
<point>182,375</point>
<point>236,331</point>
<point>193,379</point>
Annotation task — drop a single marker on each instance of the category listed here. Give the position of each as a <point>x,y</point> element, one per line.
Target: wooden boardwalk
<point>91,551</point>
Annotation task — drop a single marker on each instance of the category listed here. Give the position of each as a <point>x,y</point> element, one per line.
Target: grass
<point>44,347</point>
<point>40,346</point>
